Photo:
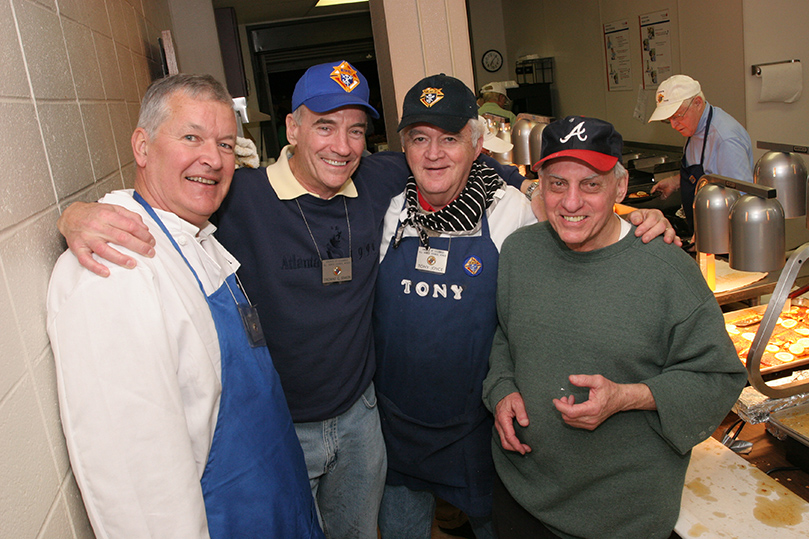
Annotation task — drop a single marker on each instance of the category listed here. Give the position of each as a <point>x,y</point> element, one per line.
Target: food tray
<point>794,421</point>
<point>780,355</point>
<point>640,193</point>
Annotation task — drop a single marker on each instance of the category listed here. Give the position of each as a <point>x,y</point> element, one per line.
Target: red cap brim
<point>599,161</point>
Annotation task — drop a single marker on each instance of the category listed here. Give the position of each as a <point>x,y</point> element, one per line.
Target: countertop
<point>726,496</point>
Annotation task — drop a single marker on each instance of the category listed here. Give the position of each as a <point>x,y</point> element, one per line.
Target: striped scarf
<point>461,215</point>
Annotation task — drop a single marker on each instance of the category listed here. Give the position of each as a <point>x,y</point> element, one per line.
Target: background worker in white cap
<point>494,101</point>
<point>716,143</point>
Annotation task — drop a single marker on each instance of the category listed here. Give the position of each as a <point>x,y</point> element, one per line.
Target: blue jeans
<point>408,514</point>
<point>346,461</point>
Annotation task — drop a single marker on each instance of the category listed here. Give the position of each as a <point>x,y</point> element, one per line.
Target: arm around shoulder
<point>90,228</point>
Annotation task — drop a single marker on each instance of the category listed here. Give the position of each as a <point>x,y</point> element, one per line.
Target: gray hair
<point>154,108</point>
<point>476,131</point>
<point>619,171</point>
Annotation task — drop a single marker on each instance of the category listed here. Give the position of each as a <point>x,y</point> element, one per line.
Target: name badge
<point>252,325</point>
<point>432,260</point>
<point>336,270</point>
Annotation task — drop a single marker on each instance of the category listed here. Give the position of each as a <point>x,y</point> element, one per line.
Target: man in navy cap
<point>611,381</point>
<point>434,312</point>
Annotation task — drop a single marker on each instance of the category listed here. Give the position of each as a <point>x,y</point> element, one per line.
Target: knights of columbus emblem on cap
<point>431,96</point>
<point>660,97</point>
<point>345,76</point>
<point>472,266</point>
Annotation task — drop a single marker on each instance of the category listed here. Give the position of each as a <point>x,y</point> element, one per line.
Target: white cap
<point>671,93</point>
<point>496,87</point>
<point>491,141</point>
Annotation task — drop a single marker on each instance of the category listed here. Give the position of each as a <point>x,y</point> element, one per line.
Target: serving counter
<point>726,496</point>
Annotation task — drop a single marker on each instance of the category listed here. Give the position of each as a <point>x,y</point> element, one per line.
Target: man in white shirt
<point>174,417</point>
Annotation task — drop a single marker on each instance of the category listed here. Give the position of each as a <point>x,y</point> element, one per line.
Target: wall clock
<point>492,60</point>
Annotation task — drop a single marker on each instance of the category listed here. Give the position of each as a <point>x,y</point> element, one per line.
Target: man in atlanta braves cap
<point>720,143</point>
<point>610,382</point>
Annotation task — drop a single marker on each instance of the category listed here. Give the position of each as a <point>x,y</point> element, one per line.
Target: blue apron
<point>689,175</point>
<point>255,482</point>
<point>432,357</point>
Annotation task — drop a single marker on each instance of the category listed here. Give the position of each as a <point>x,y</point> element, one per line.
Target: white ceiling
<point>257,11</point>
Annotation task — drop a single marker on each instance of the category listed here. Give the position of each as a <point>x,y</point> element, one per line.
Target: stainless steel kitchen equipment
<point>504,133</point>
<point>787,173</point>
<point>535,143</point>
<point>755,228</point>
<point>757,234</point>
<point>712,205</point>
<point>520,138</point>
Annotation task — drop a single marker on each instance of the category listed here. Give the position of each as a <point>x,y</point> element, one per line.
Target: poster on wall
<point>616,47</point>
<point>655,40</point>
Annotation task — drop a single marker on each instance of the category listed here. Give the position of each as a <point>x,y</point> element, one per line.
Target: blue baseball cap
<point>326,87</point>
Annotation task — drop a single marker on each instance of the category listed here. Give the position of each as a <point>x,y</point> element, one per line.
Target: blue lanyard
<point>139,199</point>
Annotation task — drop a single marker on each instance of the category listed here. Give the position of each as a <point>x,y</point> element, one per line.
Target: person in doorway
<point>495,101</point>
<point>174,417</point>
<point>715,142</point>
<point>599,387</point>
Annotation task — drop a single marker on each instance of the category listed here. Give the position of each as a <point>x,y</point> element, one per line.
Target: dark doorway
<point>281,52</point>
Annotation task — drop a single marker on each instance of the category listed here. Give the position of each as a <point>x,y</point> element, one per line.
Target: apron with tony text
<point>433,336</point>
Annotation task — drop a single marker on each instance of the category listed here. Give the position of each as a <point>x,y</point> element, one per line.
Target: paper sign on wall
<point>655,38</point>
<point>616,46</point>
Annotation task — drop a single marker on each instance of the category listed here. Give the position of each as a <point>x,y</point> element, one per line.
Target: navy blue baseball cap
<point>439,100</point>
<point>326,87</point>
<point>591,140</point>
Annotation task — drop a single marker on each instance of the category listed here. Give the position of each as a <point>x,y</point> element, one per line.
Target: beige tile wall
<point>73,73</point>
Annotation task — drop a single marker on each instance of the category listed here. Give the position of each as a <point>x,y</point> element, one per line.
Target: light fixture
<point>324,3</point>
<point>754,226</point>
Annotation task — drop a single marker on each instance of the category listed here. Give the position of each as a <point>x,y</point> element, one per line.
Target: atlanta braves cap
<point>326,87</point>
<point>439,100</point>
<point>594,141</point>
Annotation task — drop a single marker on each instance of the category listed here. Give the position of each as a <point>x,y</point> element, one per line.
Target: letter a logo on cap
<point>578,132</point>
<point>431,96</point>
<point>345,76</point>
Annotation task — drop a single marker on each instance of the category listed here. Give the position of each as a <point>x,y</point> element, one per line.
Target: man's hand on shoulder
<point>651,223</point>
<point>90,227</point>
<point>509,408</point>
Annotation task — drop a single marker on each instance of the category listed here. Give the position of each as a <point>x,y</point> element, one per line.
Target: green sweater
<point>632,313</point>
